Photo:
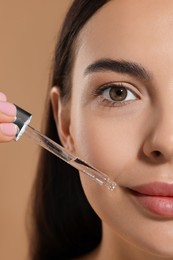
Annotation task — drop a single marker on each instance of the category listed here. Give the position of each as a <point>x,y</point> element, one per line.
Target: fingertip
<point>6,139</point>
<point>8,129</point>
<point>8,108</point>
<point>3,97</point>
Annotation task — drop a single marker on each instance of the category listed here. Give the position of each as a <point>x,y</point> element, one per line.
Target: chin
<point>162,250</point>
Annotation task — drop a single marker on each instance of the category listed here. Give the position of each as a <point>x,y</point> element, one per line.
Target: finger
<point>7,132</point>
<point>3,97</point>
<point>8,108</point>
<point>6,119</point>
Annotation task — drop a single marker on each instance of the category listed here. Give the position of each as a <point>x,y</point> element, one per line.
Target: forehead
<point>128,29</point>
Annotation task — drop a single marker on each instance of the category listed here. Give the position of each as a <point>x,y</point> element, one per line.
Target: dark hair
<point>65,226</point>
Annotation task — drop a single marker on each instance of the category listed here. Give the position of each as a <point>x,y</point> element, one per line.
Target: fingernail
<point>9,129</point>
<point>3,97</point>
<point>8,108</point>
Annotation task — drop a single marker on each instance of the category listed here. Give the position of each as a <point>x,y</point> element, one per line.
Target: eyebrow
<point>119,66</point>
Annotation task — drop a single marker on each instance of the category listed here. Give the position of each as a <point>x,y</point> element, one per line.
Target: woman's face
<point>121,118</point>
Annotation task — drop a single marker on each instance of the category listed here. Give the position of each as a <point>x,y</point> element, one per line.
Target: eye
<point>116,93</point>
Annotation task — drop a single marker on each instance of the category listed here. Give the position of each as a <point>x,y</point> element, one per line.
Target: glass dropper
<point>23,119</point>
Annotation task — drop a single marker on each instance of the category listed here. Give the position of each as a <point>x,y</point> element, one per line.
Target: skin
<point>121,139</point>
<point>116,138</point>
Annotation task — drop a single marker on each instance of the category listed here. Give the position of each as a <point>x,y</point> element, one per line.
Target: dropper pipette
<point>23,119</point>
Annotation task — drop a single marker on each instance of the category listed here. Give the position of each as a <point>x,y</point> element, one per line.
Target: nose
<point>158,144</point>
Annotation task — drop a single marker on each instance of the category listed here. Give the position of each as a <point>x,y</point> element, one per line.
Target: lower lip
<point>162,206</point>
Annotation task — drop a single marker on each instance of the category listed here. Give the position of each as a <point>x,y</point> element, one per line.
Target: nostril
<point>156,154</point>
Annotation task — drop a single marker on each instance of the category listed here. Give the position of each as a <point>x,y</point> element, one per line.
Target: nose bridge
<point>163,130</point>
<point>160,137</point>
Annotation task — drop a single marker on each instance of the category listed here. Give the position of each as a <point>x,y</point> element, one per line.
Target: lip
<point>155,197</point>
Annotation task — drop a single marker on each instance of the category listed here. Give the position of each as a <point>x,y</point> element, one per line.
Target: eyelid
<point>126,85</point>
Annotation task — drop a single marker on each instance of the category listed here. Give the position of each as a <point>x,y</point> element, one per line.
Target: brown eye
<point>118,93</point>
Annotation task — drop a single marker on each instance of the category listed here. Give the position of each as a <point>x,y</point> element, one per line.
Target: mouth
<point>155,197</point>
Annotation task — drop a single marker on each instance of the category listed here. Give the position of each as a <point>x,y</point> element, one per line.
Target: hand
<point>8,129</point>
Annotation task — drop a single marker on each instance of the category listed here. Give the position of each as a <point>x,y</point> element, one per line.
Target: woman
<point>111,104</point>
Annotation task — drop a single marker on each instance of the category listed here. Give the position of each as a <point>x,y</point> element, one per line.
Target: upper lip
<point>155,189</point>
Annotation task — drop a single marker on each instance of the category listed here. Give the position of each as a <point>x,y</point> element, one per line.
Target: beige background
<point>28,31</point>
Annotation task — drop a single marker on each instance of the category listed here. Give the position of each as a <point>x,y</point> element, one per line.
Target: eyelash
<point>108,101</point>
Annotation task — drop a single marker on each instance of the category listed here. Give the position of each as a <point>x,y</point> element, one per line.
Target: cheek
<point>110,145</point>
